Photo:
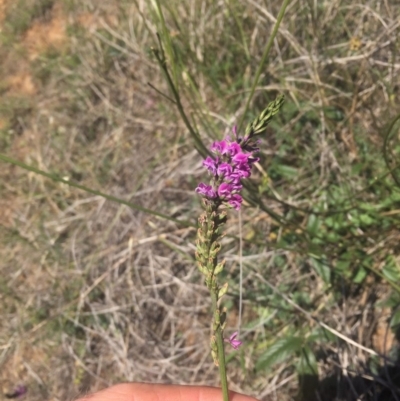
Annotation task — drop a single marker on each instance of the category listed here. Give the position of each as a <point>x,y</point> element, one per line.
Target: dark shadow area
<point>368,383</point>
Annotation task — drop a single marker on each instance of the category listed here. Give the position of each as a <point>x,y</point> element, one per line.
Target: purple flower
<point>236,184</point>
<point>233,341</point>
<point>224,169</point>
<point>18,391</point>
<point>219,147</point>
<point>210,164</point>
<point>234,148</point>
<point>206,190</point>
<point>235,201</point>
<point>242,171</point>
<point>241,158</point>
<point>253,160</point>
<point>225,190</point>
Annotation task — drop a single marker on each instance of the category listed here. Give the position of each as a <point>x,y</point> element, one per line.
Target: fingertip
<point>121,391</point>
<point>161,392</point>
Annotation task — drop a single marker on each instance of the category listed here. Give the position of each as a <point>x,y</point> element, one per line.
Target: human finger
<point>161,392</point>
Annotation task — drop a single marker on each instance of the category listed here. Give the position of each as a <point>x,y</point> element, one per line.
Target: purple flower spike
<point>232,163</point>
<point>206,190</point>
<point>233,341</point>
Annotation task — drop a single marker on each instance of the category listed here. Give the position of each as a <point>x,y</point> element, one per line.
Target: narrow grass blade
<point>53,177</point>
<point>264,59</point>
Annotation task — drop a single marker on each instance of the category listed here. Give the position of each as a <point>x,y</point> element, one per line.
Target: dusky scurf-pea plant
<point>230,163</point>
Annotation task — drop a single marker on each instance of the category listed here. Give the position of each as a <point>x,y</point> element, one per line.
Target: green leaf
<point>278,352</point>
<point>395,321</point>
<point>313,224</point>
<point>344,262</point>
<point>333,113</point>
<point>392,301</point>
<point>366,219</point>
<point>322,269</point>
<point>307,364</point>
<point>391,270</point>
<point>320,334</point>
<point>360,275</point>
<point>287,171</point>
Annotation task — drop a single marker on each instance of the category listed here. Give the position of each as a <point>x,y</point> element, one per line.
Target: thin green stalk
<point>159,54</point>
<point>386,148</point>
<point>264,59</point>
<point>221,351</point>
<point>395,286</point>
<point>207,248</point>
<point>173,80</point>
<point>240,27</point>
<point>168,41</point>
<point>53,177</point>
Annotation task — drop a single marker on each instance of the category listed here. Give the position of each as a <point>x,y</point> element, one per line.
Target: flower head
<point>233,341</point>
<point>233,162</point>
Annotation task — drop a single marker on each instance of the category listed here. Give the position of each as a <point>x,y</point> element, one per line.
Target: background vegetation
<point>93,292</point>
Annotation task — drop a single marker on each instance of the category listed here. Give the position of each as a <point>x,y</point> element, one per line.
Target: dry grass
<point>93,292</point>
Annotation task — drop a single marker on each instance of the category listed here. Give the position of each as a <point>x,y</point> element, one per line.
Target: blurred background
<point>93,292</point>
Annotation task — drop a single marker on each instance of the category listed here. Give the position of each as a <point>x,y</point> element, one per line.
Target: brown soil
<point>384,339</point>
<point>21,83</point>
<point>2,9</point>
<point>44,36</point>
<point>40,37</point>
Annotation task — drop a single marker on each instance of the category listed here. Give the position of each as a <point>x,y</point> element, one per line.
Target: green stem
<point>279,18</point>
<point>221,350</point>
<point>386,150</point>
<point>56,178</point>
<point>163,65</point>
<point>168,42</point>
